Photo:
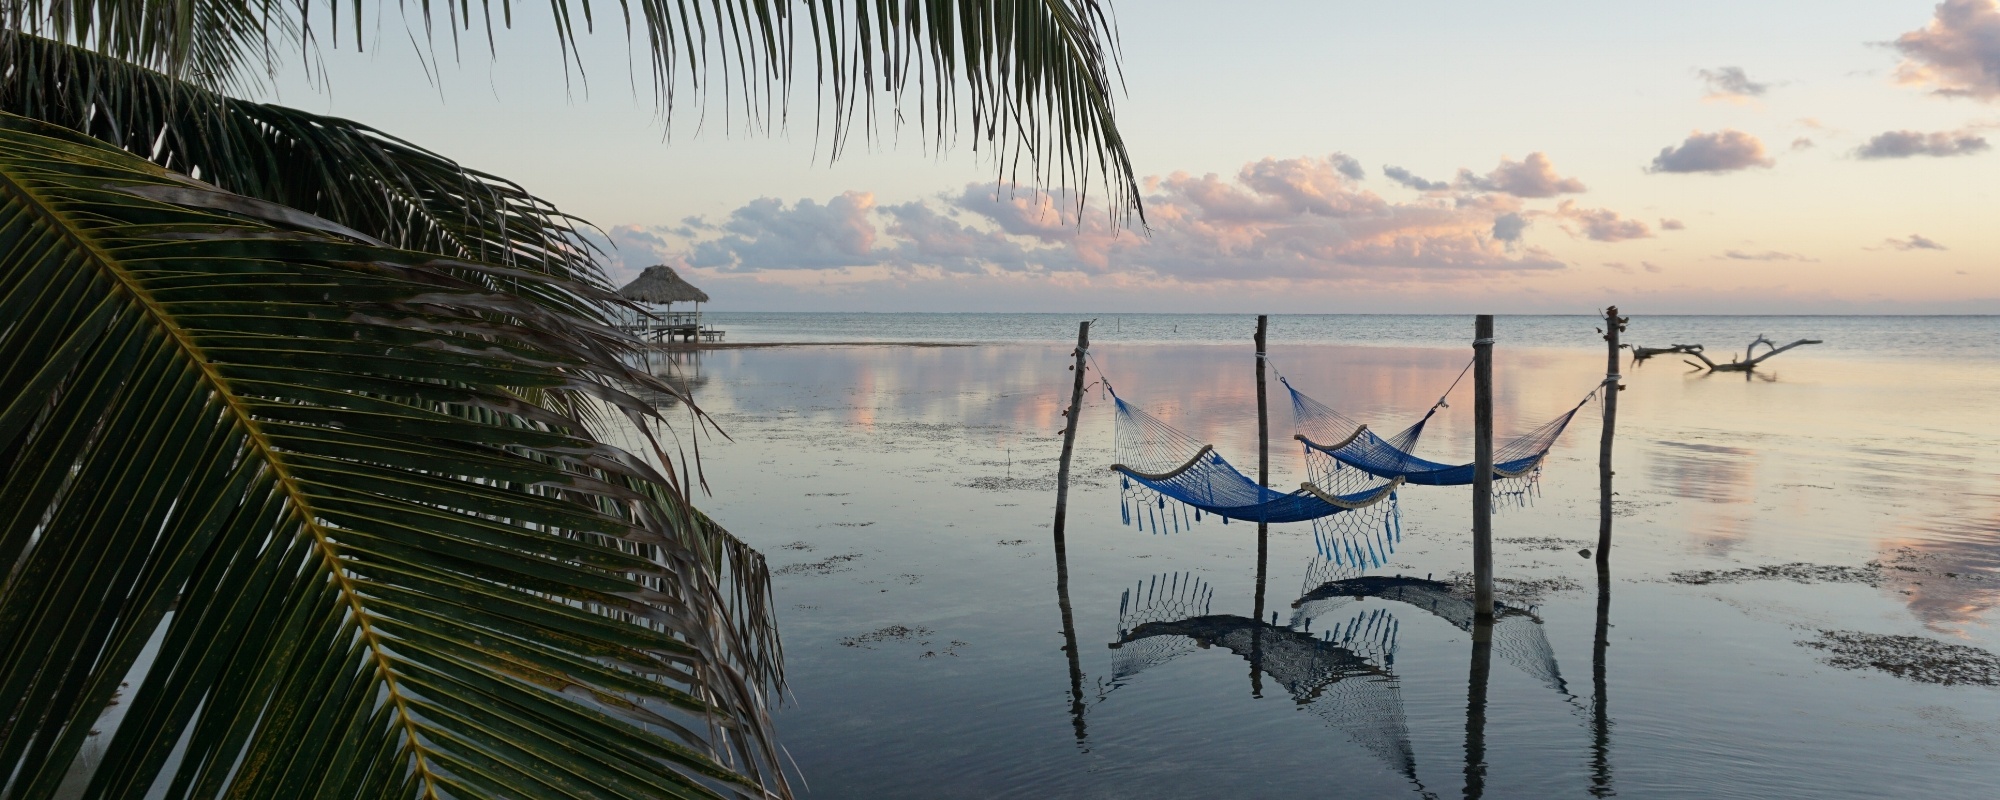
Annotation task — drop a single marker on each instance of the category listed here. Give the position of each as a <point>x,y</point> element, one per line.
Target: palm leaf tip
<point>297,471</point>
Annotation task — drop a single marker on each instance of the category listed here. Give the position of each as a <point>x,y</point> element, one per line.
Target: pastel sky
<point>1830,156</point>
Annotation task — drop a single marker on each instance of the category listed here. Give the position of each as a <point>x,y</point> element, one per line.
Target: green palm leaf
<point>329,167</point>
<point>1031,78</point>
<point>219,44</point>
<point>288,485</point>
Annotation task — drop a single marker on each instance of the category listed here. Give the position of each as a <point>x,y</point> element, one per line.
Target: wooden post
<point>1263,466</point>
<point>1482,466</point>
<point>1073,415</point>
<point>1613,325</point>
<point>1069,431</point>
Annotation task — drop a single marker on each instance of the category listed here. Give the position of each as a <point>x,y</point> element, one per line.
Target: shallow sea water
<point>903,496</point>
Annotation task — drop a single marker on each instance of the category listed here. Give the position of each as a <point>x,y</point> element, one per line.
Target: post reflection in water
<point>1475,708</point>
<point>1600,716</point>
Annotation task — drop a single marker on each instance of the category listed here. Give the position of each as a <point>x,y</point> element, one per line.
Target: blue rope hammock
<point>1158,463</point>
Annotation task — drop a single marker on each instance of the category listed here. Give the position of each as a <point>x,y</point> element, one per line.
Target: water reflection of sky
<point>931,467</point>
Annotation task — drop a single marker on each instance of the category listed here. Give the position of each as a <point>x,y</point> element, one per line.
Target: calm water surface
<point>904,497</point>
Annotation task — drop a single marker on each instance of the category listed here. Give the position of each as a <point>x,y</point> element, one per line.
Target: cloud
<point>1349,166</point>
<point>1722,151</point>
<point>1651,267</point>
<point>1767,255</point>
<point>1298,220</point>
<point>1403,176</point>
<point>768,234</point>
<point>1619,266</point>
<point>1670,224</point>
<point>1803,143</point>
<point>1731,84</point>
<point>1957,54</point>
<point>1915,242</point>
<point>1941,144</point>
<point>1600,224</point>
<point>1534,176</point>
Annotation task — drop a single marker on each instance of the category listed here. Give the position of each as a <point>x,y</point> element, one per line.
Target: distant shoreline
<point>682,346</point>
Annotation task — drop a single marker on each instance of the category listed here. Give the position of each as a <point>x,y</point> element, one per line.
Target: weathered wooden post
<point>1263,466</point>
<point>1613,325</point>
<point>1073,416</point>
<point>1482,466</point>
<point>1069,430</point>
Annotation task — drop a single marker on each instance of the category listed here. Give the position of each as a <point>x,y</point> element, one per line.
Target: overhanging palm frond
<point>334,168</point>
<point>218,44</point>
<point>295,470</point>
<point>1033,78</point>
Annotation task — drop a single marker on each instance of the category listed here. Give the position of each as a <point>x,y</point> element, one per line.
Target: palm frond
<point>1032,80</point>
<point>284,482</point>
<point>329,167</point>
<point>217,44</point>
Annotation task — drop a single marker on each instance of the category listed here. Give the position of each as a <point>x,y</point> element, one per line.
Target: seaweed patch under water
<point>1546,543</point>
<point>886,634</point>
<point>1520,591</point>
<point>1905,560</point>
<point>824,566</point>
<point>1799,571</point>
<point>1910,657</point>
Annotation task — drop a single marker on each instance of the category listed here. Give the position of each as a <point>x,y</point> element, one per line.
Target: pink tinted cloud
<point>1600,224</point>
<point>1298,219</point>
<point>1957,54</point>
<point>1725,150</point>
<point>1534,176</point>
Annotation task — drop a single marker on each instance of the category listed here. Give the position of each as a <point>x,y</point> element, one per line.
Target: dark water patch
<point>950,649</point>
<point>1915,658</point>
<point>796,546</point>
<point>1012,542</point>
<point>1797,571</point>
<point>1518,591</point>
<point>852,524</point>
<point>824,566</point>
<point>1546,543</point>
<point>1021,483</point>
<point>889,633</point>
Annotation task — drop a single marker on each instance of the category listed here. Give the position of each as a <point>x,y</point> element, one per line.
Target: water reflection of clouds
<point>1948,572</point>
<point>1706,472</point>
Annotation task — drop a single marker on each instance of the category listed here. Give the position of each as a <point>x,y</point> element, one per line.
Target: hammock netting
<point>1158,463</point>
<point>1517,632</point>
<point>1342,454</point>
<point>1341,676</point>
<point>1364,539</point>
<point>1162,598</point>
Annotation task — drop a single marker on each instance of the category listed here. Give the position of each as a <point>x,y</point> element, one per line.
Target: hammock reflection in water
<point>1342,676</point>
<point>1517,632</point>
<point>1345,671</point>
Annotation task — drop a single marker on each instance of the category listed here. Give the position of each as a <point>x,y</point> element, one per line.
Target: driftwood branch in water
<point>1750,359</point>
<point>1745,365</point>
<point>1643,353</point>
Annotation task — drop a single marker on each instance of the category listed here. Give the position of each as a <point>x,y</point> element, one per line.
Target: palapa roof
<point>661,284</point>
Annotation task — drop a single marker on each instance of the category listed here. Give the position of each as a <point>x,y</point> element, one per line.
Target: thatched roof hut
<point>660,284</point>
